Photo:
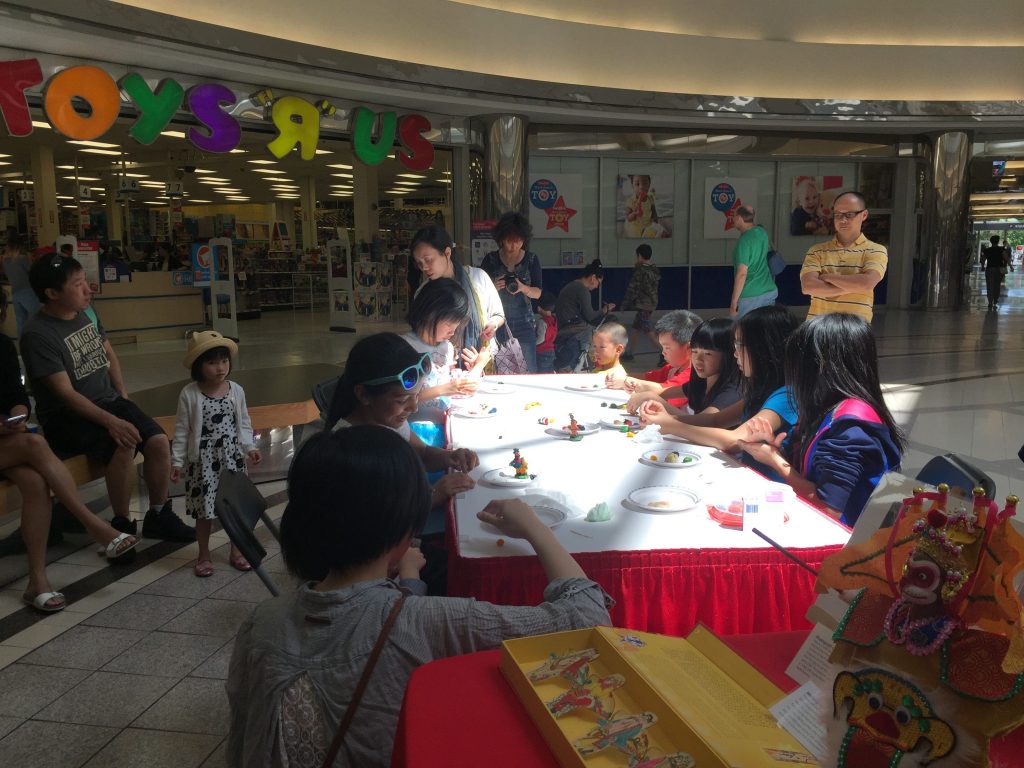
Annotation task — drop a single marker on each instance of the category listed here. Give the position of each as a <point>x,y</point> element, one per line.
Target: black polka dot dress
<point>219,447</point>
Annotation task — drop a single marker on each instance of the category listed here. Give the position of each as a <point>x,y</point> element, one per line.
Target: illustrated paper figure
<point>616,733</point>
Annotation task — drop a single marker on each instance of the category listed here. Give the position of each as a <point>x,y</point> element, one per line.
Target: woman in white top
<point>432,252</point>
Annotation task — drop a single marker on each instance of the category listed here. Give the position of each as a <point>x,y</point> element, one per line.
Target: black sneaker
<point>164,524</point>
<point>125,525</point>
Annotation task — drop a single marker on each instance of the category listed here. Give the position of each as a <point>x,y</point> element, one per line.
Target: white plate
<point>661,458</point>
<point>495,388</point>
<point>550,511</point>
<point>586,428</point>
<point>592,386</point>
<point>478,411</point>
<point>621,417</point>
<point>664,498</point>
<point>506,476</point>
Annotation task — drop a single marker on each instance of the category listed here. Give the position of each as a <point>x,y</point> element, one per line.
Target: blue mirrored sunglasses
<point>409,377</point>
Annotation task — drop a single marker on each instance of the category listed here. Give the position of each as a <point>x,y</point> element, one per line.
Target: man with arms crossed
<point>840,275</point>
<point>82,401</point>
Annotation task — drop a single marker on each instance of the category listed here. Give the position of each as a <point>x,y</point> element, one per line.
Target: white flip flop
<point>39,602</point>
<point>111,552</point>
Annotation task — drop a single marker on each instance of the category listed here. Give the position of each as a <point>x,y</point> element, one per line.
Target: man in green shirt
<point>753,285</point>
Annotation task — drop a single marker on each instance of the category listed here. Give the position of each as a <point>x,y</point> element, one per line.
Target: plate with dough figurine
<point>664,498</point>
<point>506,477</point>
<point>474,411</point>
<point>618,420</point>
<point>670,458</point>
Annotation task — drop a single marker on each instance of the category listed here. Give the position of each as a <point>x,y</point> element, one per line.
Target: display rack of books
<point>400,283</point>
<point>272,278</point>
<point>310,289</point>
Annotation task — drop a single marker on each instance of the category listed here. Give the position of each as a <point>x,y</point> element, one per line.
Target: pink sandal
<point>238,562</point>
<point>203,569</point>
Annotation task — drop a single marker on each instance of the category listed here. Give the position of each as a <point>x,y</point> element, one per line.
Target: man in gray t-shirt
<point>82,401</point>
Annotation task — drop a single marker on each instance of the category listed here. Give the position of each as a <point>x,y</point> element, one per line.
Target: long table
<point>666,571</point>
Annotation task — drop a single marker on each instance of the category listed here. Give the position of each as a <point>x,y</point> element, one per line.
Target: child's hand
<point>638,398</point>
<point>769,454</point>
<point>411,563</point>
<point>759,430</point>
<point>512,517</point>
<point>450,485</point>
<point>175,474</point>
<point>466,385</point>
<point>470,356</point>
<point>614,382</point>
<point>654,412</point>
<point>255,456</point>
<point>630,384</point>
<point>463,459</point>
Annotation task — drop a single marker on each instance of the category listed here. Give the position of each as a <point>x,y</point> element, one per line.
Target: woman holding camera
<point>517,276</point>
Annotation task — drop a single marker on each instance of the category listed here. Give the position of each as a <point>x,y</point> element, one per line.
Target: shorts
<point>642,321</point>
<point>70,434</point>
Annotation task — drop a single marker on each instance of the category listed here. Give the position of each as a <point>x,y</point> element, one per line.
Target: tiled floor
<point>132,674</point>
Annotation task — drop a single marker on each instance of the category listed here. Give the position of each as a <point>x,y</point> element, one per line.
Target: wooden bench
<point>83,470</point>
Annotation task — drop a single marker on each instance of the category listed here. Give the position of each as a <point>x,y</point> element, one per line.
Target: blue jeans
<point>744,305</point>
<point>528,342</point>
<point>25,305</point>
<point>545,362</point>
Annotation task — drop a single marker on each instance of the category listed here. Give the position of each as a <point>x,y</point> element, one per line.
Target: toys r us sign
<point>297,120</point>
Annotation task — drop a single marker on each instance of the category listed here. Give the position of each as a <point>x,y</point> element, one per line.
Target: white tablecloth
<point>605,467</point>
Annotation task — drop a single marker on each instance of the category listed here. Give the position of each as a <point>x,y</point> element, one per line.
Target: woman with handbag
<point>518,279</point>
<point>433,253</point>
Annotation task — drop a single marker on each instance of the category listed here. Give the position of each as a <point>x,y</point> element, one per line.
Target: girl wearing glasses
<point>759,342</point>
<point>845,438</point>
<point>381,385</point>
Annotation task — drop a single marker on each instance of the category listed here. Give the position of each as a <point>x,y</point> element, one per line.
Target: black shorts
<point>70,434</point>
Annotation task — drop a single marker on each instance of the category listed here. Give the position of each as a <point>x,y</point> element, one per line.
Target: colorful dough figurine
<point>574,429</point>
<point>520,465</point>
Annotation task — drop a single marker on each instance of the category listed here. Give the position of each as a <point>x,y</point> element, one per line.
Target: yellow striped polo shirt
<point>834,258</point>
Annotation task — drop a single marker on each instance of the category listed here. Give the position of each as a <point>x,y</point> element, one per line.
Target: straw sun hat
<point>206,340</point>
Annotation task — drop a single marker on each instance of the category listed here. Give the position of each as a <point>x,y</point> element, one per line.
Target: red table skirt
<point>669,591</point>
<point>461,712</point>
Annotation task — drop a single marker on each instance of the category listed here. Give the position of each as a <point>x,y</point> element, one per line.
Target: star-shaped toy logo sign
<point>730,216</point>
<point>559,215</point>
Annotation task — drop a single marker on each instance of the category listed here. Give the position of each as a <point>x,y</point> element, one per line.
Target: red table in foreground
<point>460,711</point>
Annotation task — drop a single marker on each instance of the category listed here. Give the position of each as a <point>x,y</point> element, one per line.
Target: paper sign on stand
<point>339,284</point>
<point>223,307</point>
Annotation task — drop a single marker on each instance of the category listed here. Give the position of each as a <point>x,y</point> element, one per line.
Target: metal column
<point>948,218</point>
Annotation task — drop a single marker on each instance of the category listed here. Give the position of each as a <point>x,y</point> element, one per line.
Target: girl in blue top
<point>845,438</point>
<point>759,341</point>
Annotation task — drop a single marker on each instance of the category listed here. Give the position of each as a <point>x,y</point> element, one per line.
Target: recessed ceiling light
<point>197,200</point>
<point>102,151</point>
<point>236,197</point>
<point>285,188</point>
<point>237,151</point>
<point>227,190</point>
<point>153,202</point>
<point>267,170</point>
<point>342,175</point>
<point>444,181</point>
<point>173,134</point>
<point>136,175</point>
<point>341,194</point>
<point>40,124</point>
<point>341,166</point>
<point>323,152</point>
<point>60,167</point>
<point>65,197</point>
<point>261,162</point>
<point>411,176</point>
<point>287,196</point>
<point>204,170</point>
<point>214,180</point>
<point>408,183</point>
<point>69,206</point>
<point>100,144</point>
<point>398,191</point>
<point>83,178</point>
<point>154,184</point>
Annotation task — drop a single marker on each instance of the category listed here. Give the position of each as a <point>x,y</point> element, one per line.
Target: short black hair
<point>353,495</point>
<point>644,251</point>
<point>52,271</point>
<point>594,269</point>
<point>681,323</point>
<point>217,353</point>
<point>746,213</point>
<point>512,223</point>
<point>437,300</point>
<point>547,300</point>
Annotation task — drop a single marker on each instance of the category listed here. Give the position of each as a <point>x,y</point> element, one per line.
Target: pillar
<point>505,164</point>
<point>903,238</point>
<point>115,216</point>
<point>307,192</point>
<point>44,188</point>
<point>460,195</point>
<point>947,215</point>
<point>365,217</point>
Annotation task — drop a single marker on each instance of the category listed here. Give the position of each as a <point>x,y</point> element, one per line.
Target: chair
<point>956,472</point>
<point>323,393</point>
<point>239,505</point>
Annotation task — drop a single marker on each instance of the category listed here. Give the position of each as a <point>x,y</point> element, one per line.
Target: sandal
<point>119,545</point>
<point>238,562</point>
<point>39,602</point>
<point>203,569</point>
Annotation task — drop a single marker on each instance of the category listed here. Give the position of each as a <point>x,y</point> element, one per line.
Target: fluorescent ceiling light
<point>136,175</point>
<point>173,134</point>
<point>83,178</point>
<point>40,124</point>
<point>197,200</point>
<point>237,151</point>
<point>100,144</point>
<point>4,163</point>
<point>217,180</point>
<point>65,197</point>
<point>444,181</point>
<point>204,170</point>
<point>408,183</point>
<point>342,175</point>
<point>341,166</point>
<point>153,202</point>
<point>411,176</point>
<point>69,206</point>
<point>289,197</point>
<point>155,184</point>
<point>341,194</point>
<point>398,192</point>
<point>227,190</point>
<point>59,167</point>
<point>261,162</point>
<point>237,198</point>
<point>102,151</point>
<point>323,152</point>
<point>267,170</point>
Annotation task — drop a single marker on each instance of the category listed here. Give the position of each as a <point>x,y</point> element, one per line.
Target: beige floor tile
<point>102,598</point>
<point>44,631</point>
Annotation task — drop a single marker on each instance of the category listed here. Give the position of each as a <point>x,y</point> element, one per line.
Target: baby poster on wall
<point>722,196</point>
<point>644,205</point>
<point>556,204</point>
<point>812,204</point>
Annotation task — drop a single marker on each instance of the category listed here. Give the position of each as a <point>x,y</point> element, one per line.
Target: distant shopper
<point>994,260</point>
<point>16,265</point>
<point>642,296</point>
<point>517,277</point>
<point>753,285</point>
<point>840,275</point>
<point>575,313</point>
<point>547,330</point>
